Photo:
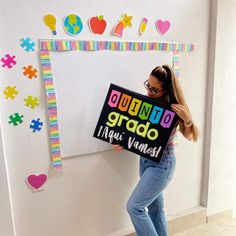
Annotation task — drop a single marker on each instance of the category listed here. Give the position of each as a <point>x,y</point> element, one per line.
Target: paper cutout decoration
<point>36,181</point>
<point>121,25</point>
<point>52,110</point>
<point>138,123</point>
<point>50,20</point>
<point>72,24</point>
<point>47,46</point>
<point>8,61</point>
<point>162,26</point>
<point>27,44</point>
<point>36,125</point>
<point>96,45</point>
<point>97,24</point>
<point>30,72</point>
<point>143,25</point>
<point>31,101</point>
<point>15,119</point>
<point>10,92</point>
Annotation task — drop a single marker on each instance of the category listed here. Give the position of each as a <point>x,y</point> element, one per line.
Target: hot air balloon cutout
<point>97,24</point>
<point>72,24</point>
<point>123,23</point>
<point>50,21</point>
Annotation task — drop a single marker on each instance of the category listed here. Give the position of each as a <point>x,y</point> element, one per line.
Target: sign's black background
<point>164,133</point>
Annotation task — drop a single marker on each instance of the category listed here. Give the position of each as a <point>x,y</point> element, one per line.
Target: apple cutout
<point>97,24</point>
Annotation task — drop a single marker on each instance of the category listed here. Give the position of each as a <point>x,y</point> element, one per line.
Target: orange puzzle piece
<point>30,72</point>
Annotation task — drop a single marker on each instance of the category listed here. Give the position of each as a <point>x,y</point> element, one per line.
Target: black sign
<point>139,123</point>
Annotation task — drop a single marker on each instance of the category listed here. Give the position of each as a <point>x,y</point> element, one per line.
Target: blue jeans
<point>146,203</point>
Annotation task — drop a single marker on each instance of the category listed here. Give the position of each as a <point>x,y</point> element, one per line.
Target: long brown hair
<point>173,93</point>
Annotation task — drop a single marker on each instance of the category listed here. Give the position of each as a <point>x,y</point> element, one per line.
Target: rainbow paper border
<point>88,45</point>
<point>47,45</point>
<point>176,66</point>
<point>52,109</point>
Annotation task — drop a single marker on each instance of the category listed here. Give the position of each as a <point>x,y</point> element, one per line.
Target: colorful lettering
<point>113,117</point>
<point>167,119</point>
<point>134,107</point>
<point>124,102</point>
<point>114,98</point>
<point>145,111</point>
<point>156,115</point>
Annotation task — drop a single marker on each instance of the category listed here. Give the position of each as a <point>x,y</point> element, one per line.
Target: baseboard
<point>187,219</point>
<point>227,215</point>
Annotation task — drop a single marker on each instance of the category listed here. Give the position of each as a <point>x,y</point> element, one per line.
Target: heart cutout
<point>36,181</point>
<point>162,26</point>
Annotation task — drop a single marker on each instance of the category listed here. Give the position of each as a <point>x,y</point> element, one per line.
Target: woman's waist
<point>169,150</point>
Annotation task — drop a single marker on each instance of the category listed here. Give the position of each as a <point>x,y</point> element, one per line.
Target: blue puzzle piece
<point>27,44</point>
<point>36,125</point>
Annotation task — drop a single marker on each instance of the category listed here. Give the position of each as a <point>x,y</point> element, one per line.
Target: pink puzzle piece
<point>8,61</point>
<point>36,181</point>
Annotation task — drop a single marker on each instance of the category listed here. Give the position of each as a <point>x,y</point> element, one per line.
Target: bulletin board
<point>77,75</point>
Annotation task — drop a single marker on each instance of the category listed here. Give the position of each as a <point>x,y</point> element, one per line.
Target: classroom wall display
<point>97,24</point>
<point>50,21</point>
<point>143,25</point>
<point>36,182</point>
<point>162,26</point>
<point>121,25</point>
<point>138,123</point>
<point>27,44</point>
<point>75,91</point>
<point>8,61</point>
<point>72,24</point>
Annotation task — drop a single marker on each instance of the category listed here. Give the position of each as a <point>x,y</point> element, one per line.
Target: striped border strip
<point>176,66</point>
<point>52,109</point>
<point>69,45</point>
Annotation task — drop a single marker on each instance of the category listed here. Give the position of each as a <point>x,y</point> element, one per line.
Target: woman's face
<point>154,87</point>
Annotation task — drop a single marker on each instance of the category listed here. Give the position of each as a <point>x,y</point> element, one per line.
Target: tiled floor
<point>221,227</point>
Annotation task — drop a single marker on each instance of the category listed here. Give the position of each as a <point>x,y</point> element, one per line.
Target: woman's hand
<point>117,147</point>
<point>182,112</point>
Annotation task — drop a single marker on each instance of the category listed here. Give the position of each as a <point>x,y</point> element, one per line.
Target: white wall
<point>6,217</point>
<point>89,196</point>
<point>223,131</point>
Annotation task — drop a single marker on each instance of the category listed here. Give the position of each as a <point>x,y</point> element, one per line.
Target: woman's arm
<point>185,116</point>
<point>186,131</point>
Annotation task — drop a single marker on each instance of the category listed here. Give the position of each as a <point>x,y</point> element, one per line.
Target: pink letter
<point>114,98</point>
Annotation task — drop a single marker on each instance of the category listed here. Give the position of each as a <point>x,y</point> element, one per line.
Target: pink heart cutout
<point>36,181</point>
<point>162,26</point>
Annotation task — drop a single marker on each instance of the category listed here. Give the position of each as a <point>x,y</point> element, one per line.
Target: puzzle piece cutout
<point>30,72</point>
<point>36,125</point>
<point>27,44</point>
<point>8,61</point>
<point>31,101</point>
<point>15,119</point>
<point>10,92</point>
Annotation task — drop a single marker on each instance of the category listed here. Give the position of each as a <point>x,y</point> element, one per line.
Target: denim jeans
<point>146,203</point>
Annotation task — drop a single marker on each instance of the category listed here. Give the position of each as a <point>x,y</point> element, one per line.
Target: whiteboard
<point>82,79</point>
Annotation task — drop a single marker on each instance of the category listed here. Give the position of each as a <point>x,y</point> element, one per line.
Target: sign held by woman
<point>139,123</point>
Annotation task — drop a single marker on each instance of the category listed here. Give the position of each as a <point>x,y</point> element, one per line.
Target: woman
<point>146,204</point>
